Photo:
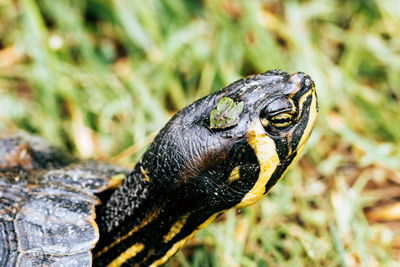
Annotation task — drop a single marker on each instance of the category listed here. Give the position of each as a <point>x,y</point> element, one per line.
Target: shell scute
<point>11,195</point>
<point>56,225</point>
<point>8,243</point>
<point>89,176</point>
<point>47,203</point>
<point>65,191</point>
<point>36,260</point>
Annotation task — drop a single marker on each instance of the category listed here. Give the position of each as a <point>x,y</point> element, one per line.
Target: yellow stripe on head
<point>312,117</point>
<point>234,175</point>
<point>265,150</point>
<point>307,131</point>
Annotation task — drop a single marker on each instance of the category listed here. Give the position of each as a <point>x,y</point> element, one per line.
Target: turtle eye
<point>282,120</point>
<point>279,121</point>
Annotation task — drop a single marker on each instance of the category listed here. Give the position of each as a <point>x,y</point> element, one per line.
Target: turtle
<point>225,150</point>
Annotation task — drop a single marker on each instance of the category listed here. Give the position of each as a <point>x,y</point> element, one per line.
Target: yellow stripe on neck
<point>148,219</point>
<point>182,242</point>
<point>126,255</point>
<point>176,228</point>
<point>265,149</point>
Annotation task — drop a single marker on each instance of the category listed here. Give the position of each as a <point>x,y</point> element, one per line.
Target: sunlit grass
<point>101,77</point>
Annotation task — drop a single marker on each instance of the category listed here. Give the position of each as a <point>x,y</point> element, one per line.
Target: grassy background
<point>102,77</point>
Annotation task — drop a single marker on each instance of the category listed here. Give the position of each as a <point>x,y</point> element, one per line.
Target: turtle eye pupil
<point>279,121</point>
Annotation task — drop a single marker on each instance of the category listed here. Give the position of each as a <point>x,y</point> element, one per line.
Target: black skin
<point>189,164</point>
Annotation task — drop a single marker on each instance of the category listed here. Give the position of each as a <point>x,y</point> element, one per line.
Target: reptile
<point>225,150</point>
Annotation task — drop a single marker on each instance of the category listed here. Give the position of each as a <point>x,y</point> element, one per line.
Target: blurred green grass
<point>101,77</point>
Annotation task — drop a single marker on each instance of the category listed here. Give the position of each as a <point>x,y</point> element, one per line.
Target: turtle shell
<point>47,203</point>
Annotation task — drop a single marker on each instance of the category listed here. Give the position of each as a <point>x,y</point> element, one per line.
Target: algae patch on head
<point>226,114</point>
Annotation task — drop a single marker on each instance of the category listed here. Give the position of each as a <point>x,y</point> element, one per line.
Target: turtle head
<point>231,147</point>
<point>225,150</point>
